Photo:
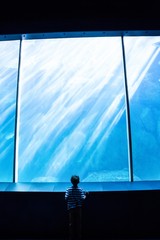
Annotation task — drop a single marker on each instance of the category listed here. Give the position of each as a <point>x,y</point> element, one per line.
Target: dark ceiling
<point>81,15</point>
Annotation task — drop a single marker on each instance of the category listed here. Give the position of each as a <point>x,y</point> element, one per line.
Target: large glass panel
<point>143,73</point>
<point>9,53</point>
<point>72,111</point>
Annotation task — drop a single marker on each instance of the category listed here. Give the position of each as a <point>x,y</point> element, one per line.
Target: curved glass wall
<point>143,68</point>
<point>72,116</point>
<point>9,55</point>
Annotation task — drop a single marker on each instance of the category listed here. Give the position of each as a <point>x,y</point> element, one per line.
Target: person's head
<point>75,180</point>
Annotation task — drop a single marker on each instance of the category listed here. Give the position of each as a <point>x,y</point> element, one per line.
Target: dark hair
<point>75,180</point>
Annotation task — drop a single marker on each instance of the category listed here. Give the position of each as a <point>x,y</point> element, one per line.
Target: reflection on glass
<point>72,111</point>
<point>8,84</point>
<point>143,68</point>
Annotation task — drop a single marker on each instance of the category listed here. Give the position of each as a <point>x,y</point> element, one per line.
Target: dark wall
<point>119,214</point>
<point>81,15</point>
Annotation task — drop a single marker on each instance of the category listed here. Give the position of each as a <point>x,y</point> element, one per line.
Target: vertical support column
<point>127,115</point>
<point>15,161</point>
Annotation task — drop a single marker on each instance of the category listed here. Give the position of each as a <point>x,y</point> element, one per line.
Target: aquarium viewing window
<point>85,105</point>
<point>9,55</point>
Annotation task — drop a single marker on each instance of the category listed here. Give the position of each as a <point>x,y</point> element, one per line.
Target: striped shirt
<point>74,197</point>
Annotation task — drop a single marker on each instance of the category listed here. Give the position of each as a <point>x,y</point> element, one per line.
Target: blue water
<point>72,109</point>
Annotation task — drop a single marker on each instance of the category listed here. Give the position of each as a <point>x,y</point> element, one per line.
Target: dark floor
<point>107,238</point>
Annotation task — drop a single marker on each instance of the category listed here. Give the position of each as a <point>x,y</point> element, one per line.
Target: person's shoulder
<point>81,189</point>
<point>69,188</point>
